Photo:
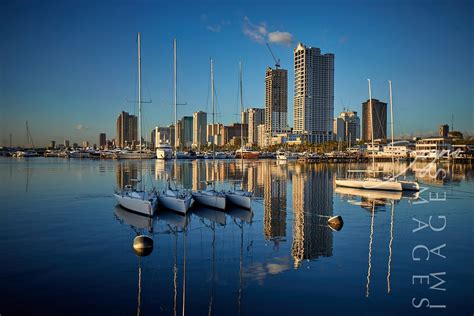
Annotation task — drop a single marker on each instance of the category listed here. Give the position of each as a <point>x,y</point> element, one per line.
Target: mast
<point>212,98</point>
<point>175,80</point>
<point>371,125</point>
<point>391,124</point>
<point>139,106</point>
<point>241,122</point>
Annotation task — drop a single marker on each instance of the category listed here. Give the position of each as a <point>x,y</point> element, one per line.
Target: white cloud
<point>255,32</point>
<point>285,38</point>
<point>80,127</point>
<point>214,28</point>
<point>261,34</point>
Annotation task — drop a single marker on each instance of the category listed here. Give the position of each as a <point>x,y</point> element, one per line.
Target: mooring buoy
<point>336,222</point>
<point>142,245</point>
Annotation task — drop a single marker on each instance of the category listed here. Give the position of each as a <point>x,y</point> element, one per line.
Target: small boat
<point>240,198</point>
<point>246,153</point>
<point>136,154</point>
<point>141,202</point>
<point>211,198</point>
<point>164,151</point>
<point>174,199</point>
<point>79,154</point>
<point>370,184</point>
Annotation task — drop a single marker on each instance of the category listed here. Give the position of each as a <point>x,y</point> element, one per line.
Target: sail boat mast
<point>241,113</point>
<point>175,93</point>
<point>212,102</point>
<point>391,124</point>
<point>371,125</point>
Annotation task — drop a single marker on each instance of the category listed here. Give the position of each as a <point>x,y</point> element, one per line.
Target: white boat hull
<point>240,198</point>
<point>370,184</point>
<point>164,154</point>
<point>175,204</point>
<point>410,185</point>
<point>210,198</point>
<point>136,204</point>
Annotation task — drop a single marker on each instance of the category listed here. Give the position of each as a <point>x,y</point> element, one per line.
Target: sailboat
<point>173,198</point>
<point>211,197</point>
<point>370,183</point>
<point>131,198</point>
<point>241,197</point>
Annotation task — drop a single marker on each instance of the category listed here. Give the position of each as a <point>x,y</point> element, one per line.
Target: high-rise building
<point>102,140</point>
<point>313,94</point>
<point>376,116</point>
<point>234,131</point>
<point>215,134</point>
<point>127,127</point>
<point>276,100</point>
<point>85,144</point>
<point>199,128</point>
<point>66,143</point>
<point>347,127</point>
<point>444,130</point>
<point>255,118</point>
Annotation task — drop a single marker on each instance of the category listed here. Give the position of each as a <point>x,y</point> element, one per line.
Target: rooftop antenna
<point>277,61</point>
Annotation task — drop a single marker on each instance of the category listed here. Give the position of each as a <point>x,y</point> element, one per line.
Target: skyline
<point>69,68</point>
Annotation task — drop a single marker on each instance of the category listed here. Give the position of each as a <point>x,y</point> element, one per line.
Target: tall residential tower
<point>314,93</point>
<point>276,100</point>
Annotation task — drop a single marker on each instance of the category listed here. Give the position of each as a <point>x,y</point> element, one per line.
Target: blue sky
<point>69,67</point>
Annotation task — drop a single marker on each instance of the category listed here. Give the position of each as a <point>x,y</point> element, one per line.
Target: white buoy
<point>336,222</point>
<point>142,245</point>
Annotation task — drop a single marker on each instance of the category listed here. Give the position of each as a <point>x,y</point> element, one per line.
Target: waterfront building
<point>313,93</point>
<point>185,132</point>
<point>102,140</point>
<point>199,129</point>
<point>444,130</point>
<point>433,148</point>
<point>85,144</point>
<point>233,132</point>
<point>256,117</point>
<point>377,115</point>
<point>263,136</point>
<point>66,143</point>
<point>347,127</point>
<point>215,134</point>
<point>126,127</point>
<point>276,100</point>
<point>53,144</point>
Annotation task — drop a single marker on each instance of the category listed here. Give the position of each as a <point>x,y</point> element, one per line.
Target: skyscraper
<point>444,130</point>
<point>376,116</point>
<point>255,118</point>
<point>199,129</point>
<point>102,140</point>
<point>314,93</point>
<point>126,129</point>
<point>347,127</point>
<point>276,100</point>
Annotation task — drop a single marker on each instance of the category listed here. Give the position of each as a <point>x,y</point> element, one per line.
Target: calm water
<point>66,246</point>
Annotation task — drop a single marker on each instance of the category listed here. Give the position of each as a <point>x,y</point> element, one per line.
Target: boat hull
<point>410,186</point>
<point>240,198</point>
<point>164,154</point>
<point>137,205</point>
<point>370,184</point>
<point>175,204</point>
<point>211,199</point>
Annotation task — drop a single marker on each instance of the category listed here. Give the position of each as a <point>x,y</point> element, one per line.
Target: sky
<point>70,67</point>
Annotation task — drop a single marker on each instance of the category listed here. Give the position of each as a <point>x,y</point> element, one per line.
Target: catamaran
<point>131,198</point>
<point>369,183</point>
<point>241,197</point>
<point>211,197</point>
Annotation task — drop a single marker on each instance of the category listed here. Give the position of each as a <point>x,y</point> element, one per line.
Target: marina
<point>234,261</point>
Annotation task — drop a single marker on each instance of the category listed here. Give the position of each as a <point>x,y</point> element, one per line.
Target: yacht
<point>174,199</point>
<point>131,198</point>
<point>164,151</point>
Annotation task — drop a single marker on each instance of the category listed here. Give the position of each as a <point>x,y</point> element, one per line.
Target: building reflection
<point>312,197</point>
<point>124,173</point>
<point>274,201</point>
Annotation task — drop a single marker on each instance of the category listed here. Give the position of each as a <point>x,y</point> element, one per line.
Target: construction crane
<point>277,61</point>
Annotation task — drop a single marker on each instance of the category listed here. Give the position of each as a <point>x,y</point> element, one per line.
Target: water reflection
<point>312,203</point>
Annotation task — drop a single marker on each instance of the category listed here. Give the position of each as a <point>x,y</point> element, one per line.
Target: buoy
<point>336,222</point>
<point>142,245</point>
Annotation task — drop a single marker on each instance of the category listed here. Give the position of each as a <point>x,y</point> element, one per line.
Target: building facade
<point>276,100</point>
<point>199,129</point>
<point>185,132</point>
<point>347,127</point>
<point>444,130</point>
<point>376,116</point>
<point>214,134</point>
<point>256,117</point>
<point>314,93</point>
<point>102,140</point>
<point>126,130</point>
